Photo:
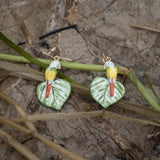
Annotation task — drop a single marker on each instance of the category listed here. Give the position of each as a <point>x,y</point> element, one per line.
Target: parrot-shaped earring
<point>53,93</point>
<point>107,91</point>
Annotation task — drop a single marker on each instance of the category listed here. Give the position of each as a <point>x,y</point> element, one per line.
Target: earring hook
<point>105,58</point>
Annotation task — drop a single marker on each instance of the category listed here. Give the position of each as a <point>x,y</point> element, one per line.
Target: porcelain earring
<point>53,93</point>
<point>107,91</point>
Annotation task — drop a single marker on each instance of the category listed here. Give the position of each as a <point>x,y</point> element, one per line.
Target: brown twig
<point>57,147</point>
<point>36,135</point>
<point>58,116</point>
<point>14,125</point>
<point>19,109</point>
<point>22,71</point>
<point>76,115</point>
<point>145,28</point>
<point>18,146</point>
<point>142,110</point>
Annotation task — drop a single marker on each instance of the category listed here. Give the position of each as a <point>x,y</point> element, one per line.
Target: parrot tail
<point>111,86</point>
<point>48,88</point>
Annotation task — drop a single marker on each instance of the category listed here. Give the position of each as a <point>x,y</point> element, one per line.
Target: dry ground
<point>103,26</point>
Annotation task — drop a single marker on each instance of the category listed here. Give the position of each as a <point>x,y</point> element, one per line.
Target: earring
<point>107,91</point>
<point>53,93</point>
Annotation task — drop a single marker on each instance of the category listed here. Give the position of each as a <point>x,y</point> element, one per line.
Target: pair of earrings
<point>53,93</point>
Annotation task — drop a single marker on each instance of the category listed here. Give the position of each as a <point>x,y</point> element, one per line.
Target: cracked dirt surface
<point>103,26</point>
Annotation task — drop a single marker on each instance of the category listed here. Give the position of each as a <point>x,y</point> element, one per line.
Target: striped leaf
<point>59,93</point>
<point>100,92</point>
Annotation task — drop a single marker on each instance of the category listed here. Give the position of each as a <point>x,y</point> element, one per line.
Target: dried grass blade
<point>18,146</point>
<point>22,71</point>
<point>113,115</point>
<point>76,115</point>
<point>19,109</point>
<point>58,148</point>
<point>58,116</point>
<point>148,112</point>
<point>14,125</point>
<point>44,140</point>
<point>145,28</point>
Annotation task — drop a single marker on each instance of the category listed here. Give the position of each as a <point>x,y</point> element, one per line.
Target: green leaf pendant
<point>53,93</point>
<point>59,93</point>
<point>100,91</point>
<point>107,91</point>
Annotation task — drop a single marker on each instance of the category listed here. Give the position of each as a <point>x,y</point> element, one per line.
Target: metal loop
<point>57,58</point>
<point>105,58</point>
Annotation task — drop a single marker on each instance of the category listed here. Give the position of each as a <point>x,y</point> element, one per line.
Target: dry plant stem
<point>53,145</point>
<point>76,115</point>
<point>57,147</point>
<point>19,109</point>
<point>70,154</point>
<point>22,71</point>
<point>120,117</point>
<point>150,113</point>
<point>14,125</point>
<point>145,28</point>
<point>23,150</point>
<point>18,146</point>
<point>58,116</point>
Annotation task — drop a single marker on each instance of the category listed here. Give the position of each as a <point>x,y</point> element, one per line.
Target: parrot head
<point>55,64</point>
<point>109,64</point>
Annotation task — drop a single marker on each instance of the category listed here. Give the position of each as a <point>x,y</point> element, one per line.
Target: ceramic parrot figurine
<point>107,91</point>
<point>50,75</point>
<point>111,72</point>
<point>53,93</point>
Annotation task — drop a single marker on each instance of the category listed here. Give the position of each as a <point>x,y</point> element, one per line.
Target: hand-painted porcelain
<point>59,93</point>
<point>53,93</point>
<point>100,91</point>
<point>107,91</point>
